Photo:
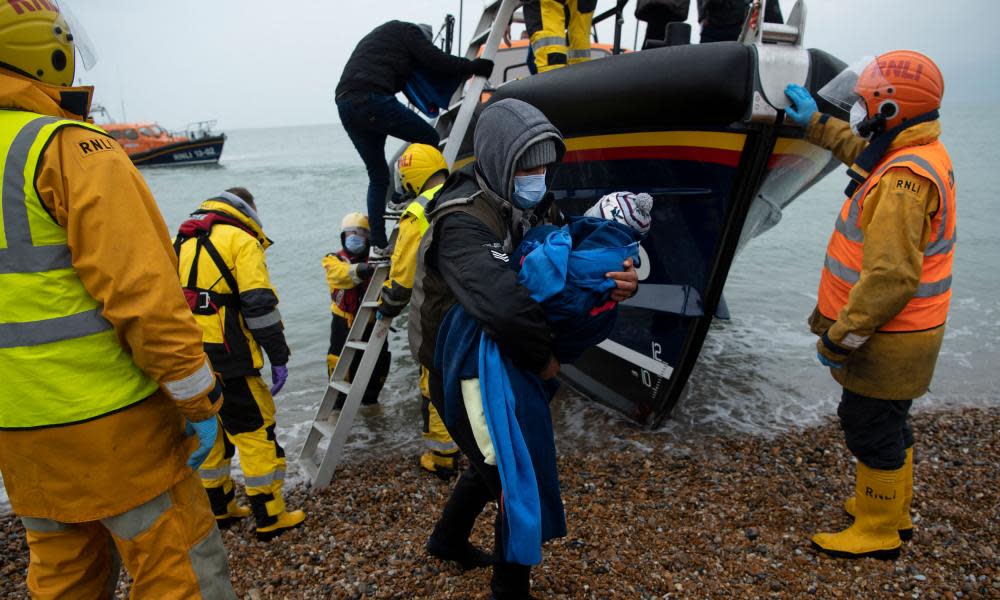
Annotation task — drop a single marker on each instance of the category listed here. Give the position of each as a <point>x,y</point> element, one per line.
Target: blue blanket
<point>564,268</point>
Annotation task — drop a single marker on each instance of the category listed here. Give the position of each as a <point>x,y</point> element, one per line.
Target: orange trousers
<point>169,545</point>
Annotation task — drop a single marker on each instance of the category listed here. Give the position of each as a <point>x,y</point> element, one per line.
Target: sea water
<point>757,374</point>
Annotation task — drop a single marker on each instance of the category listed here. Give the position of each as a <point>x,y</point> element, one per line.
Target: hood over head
<point>505,131</point>
<point>234,206</point>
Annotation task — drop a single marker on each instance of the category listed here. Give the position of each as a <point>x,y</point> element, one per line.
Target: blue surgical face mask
<point>528,190</point>
<point>355,244</point>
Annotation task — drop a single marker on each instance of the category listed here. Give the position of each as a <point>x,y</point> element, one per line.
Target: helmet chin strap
<point>878,146</point>
<point>869,128</point>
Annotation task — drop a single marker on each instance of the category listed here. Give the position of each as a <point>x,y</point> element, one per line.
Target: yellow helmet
<point>417,164</point>
<point>355,222</point>
<point>36,40</point>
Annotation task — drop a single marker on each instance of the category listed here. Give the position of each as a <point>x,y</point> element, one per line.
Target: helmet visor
<point>82,44</point>
<point>842,90</point>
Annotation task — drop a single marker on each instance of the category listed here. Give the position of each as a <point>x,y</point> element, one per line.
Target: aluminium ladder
<point>329,423</point>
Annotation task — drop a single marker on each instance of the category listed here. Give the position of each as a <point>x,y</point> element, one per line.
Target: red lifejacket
<point>349,300</point>
<point>928,308</point>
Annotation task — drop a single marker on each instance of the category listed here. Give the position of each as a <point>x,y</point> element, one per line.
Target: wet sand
<point>718,517</point>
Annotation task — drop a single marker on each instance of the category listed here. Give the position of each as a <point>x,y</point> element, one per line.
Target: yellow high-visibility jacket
<point>236,324</point>
<point>412,225</point>
<point>121,253</point>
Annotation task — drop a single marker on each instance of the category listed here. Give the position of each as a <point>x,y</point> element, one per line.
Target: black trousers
<point>877,432</point>
<point>477,485</point>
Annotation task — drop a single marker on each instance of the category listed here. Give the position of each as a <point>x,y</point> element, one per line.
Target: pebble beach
<point>717,517</point>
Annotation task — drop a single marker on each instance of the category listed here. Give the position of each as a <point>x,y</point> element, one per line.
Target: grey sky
<point>263,63</point>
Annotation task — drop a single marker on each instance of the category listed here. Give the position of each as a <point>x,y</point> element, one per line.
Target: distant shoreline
<point>728,517</point>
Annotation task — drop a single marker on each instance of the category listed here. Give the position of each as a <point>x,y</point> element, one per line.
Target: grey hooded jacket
<point>463,257</point>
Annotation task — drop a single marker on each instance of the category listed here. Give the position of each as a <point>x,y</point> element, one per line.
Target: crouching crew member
<point>422,173</point>
<point>348,273</point>
<point>221,250</point>
<point>886,282</point>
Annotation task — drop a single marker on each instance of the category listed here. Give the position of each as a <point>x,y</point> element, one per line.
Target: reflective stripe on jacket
<point>403,267</point>
<point>928,308</point>
<point>60,359</point>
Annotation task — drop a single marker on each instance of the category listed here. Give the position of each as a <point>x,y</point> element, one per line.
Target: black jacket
<point>464,255</point>
<point>732,12</point>
<point>471,261</point>
<point>384,60</point>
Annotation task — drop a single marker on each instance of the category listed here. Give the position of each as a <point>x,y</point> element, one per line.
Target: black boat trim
<point>757,152</point>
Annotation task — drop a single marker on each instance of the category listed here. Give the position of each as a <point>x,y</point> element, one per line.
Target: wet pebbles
<point>718,517</point>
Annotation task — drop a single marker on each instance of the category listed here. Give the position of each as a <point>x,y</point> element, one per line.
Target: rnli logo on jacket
<point>908,186</point>
<point>20,6</point>
<point>96,145</point>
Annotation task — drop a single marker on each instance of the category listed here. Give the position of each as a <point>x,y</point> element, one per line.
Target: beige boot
<point>905,525</point>
<point>878,503</point>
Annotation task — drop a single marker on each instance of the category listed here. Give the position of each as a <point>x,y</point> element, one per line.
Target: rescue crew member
<point>380,66</point>
<point>221,250</point>
<point>348,273</point>
<point>550,23</point>
<point>422,173</point>
<point>101,364</point>
<point>722,20</point>
<point>886,283</point>
<point>463,258</point>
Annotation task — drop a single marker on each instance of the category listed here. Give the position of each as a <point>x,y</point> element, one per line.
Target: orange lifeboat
<point>149,144</point>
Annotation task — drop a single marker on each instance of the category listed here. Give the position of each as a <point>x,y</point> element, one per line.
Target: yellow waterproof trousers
<point>169,545</point>
<point>441,449</point>
<point>247,419</point>
<point>550,23</point>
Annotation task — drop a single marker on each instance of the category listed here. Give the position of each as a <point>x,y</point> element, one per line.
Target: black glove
<point>481,67</point>
<point>390,310</point>
<point>365,270</point>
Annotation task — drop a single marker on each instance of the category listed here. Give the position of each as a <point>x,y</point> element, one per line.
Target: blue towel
<point>564,269</point>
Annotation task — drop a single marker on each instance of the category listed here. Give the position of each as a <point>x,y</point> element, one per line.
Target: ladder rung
<point>344,387</point>
<point>372,304</point>
<point>324,427</point>
<point>356,345</point>
<point>479,39</point>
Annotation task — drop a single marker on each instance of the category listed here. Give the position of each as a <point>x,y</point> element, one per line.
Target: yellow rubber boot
<point>879,500</point>
<point>283,522</point>
<point>442,464</point>
<point>272,518</point>
<point>234,512</point>
<point>905,525</point>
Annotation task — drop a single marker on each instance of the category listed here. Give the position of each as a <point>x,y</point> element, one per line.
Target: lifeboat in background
<point>148,144</point>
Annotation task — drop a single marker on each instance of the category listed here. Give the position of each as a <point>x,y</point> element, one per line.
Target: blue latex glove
<point>803,106</point>
<point>827,362</point>
<point>279,375</point>
<point>206,431</point>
